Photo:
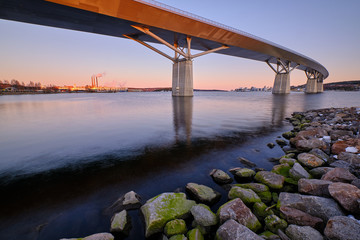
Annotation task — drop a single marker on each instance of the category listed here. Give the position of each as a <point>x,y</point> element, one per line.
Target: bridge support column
<point>282,77</point>
<point>320,87</point>
<point>182,76</point>
<point>182,79</point>
<point>312,84</point>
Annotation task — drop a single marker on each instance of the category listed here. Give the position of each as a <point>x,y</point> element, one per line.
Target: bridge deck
<point>115,17</point>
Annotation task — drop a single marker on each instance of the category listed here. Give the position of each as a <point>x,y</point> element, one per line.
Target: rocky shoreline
<point>313,192</point>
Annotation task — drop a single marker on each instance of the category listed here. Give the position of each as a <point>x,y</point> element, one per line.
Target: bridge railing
<point>214,23</point>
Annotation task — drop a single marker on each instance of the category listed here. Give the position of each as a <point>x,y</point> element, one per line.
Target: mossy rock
<point>259,209</point>
<point>288,135</point>
<point>202,193</point>
<point>121,223</point>
<point>195,234</point>
<point>289,161</point>
<point>273,223</point>
<point>261,190</point>
<point>175,227</point>
<point>245,173</point>
<point>275,197</point>
<point>270,179</point>
<point>291,181</point>
<point>203,215</point>
<point>269,235</point>
<point>248,196</point>
<point>281,169</point>
<point>163,208</point>
<point>178,237</point>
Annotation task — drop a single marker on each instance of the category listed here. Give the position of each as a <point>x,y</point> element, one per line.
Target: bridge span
<point>148,21</point>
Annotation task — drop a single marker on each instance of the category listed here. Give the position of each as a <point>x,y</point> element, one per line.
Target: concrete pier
<point>320,87</point>
<point>182,80</point>
<point>311,85</point>
<point>281,83</point>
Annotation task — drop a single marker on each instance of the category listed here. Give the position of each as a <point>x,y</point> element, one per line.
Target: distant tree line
<point>15,86</point>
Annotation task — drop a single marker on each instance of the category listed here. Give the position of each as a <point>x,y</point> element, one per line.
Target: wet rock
<point>238,211</point>
<point>307,145</point>
<point>347,195</point>
<point>202,193</point>
<point>269,236</point>
<point>298,172</point>
<point>320,154</point>
<point>195,234</point>
<point>273,223</point>
<point>281,169</point>
<point>339,175</point>
<point>270,145</point>
<point>340,164</point>
<point>344,228</point>
<point>178,237</point>
<point>341,146</point>
<point>289,161</point>
<point>163,208</point>
<point>336,134</point>
<point>248,196</point>
<point>270,179</point>
<point>121,223</point>
<point>309,134</point>
<point>351,158</point>
<point>290,150</point>
<point>130,200</point>
<point>220,176</point>
<point>244,173</point>
<point>261,211</point>
<point>314,187</point>
<point>319,171</point>
<point>297,217</point>
<point>96,236</point>
<point>309,160</point>
<point>320,207</point>
<point>232,230</point>
<point>356,183</point>
<point>203,215</point>
<point>175,227</point>
<point>303,233</point>
<point>246,162</point>
<point>261,190</point>
<point>281,142</point>
<point>288,135</point>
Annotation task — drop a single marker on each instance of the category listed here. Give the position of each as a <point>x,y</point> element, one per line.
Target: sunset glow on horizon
<point>65,57</point>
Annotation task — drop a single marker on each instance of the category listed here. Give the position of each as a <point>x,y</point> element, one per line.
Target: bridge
<point>148,21</point>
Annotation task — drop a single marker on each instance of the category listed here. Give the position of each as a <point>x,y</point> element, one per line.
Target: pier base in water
<point>281,83</point>
<point>182,80</point>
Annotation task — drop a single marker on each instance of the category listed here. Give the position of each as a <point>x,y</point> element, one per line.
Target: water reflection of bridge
<point>147,21</point>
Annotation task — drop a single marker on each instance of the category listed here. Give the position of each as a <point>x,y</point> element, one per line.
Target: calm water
<point>66,157</point>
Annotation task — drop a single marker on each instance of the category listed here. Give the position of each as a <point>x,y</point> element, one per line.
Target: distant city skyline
<point>326,31</point>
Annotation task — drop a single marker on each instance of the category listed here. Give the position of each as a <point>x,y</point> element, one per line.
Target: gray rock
<point>96,236</point>
<point>244,173</point>
<point>203,215</point>
<point>232,230</point>
<point>356,183</point>
<point>320,207</point>
<point>340,164</point>
<point>270,179</point>
<point>319,171</point>
<point>130,200</point>
<point>309,144</point>
<point>351,158</point>
<point>344,228</point>
<point>339,175</point>
<point>314,187</point>
<point>246,162</point>
<point>163,208</point>
<point>297,217</point>
<point>297,172</point>
<point>238,211</point>
<point>202,193</point>
<point>336,134</point>
<point>121,223</point>
<point>310,160</point>
<point>347,195</point>
<point>248,196</point>
<point>303,233</point>
<point>220,176</point>
<point>320,154</point>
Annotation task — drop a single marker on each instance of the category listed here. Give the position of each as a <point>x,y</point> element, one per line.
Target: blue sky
<point>327,31</point>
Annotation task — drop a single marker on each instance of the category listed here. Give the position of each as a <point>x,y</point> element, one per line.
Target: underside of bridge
<point>152,22</point>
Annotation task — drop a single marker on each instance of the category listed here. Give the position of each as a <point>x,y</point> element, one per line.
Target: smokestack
<point>97,83</point>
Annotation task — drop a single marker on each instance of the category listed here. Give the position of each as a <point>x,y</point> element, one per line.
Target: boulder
<point>320,207</point>
<point>281,142</point>
<point>232,230</point>
<point>178,237</point>
<point>320,154</point>
<point>303,233</point>
<point>288,135</point>
<point>248,196</point>
<point>298,172</point>
<point>261,190</point>
<point>244,173</point>
<point>281,169</point>
<point>309,134</point>
<point>297,217</point>
<point>309,144</point>
<point>269,236</point>
<point>203,215</point>
<point>96,236</point>
<point>246,162</point>
<point>163,208</point>
<point>202,193</point>
<point>238,211</point>
<point>319,171</point>
<point>341,227</point>
<point>351,158</point>
<point>261,211</point>
<point>356,183</point>
<point>339,175</point>
<point>270,179</point>
<point>310,160</point>
<point>347,195</point>
<point>314,187</point>
<point>195,234</point>
<point>343,146</point>
<point>175,227</point>
<point>340,164</point>
<point>336,134</point>
<point>130,200</point>
<point>290,161</point>
<point>221,177</point>
<point>121,223</point>
<point>273,223</point>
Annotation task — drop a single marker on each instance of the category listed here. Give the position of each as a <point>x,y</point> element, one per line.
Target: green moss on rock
<point>259,209</point>
<point>195,234</point>
<point>281,169</point>
<point>248,196</point>
<point>261,190</point>
<point>273,223</point>
<point>175,227</point>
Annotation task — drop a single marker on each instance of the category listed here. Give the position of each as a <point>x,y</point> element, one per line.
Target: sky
<point>327,31</point>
